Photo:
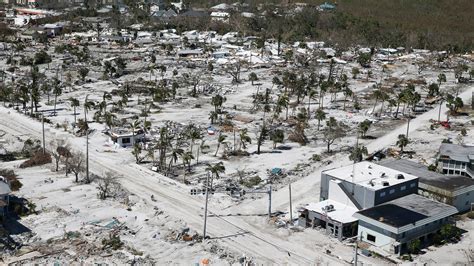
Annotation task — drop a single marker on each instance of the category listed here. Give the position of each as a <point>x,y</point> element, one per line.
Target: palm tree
<point>220,140</point>
<point>402,142</point>
<point>253,77</point>
<point>110,119</point>
<point>213,117</point>
<point>186,157</point>
<point>283,102</point>
<point>106,96</point>
<point>74,104</point>
<point>134,126</point>
<point>320,115</point>
<point>244,139</point>
<point>377,94</point>
<point>87,106</point>
<point>175,152</point>
<point>277,136</point>
<point>347,93</point>
<point>441,79</point>
<point>193,134</point>
<point>57,91</point>
<point>215,171</point>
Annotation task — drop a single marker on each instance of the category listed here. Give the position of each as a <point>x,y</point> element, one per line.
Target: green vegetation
<point>440,24</point>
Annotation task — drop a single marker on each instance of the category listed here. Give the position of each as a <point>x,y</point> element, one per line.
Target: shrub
<point>253,181</point>
<point>37,159</point>
<point>316,157</point>
<point>113,242</point>
<point>470,215</point>
<point>11,177</point>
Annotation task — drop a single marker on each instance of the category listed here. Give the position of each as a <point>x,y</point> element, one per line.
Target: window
<point>412,184</point>
<point>382,194</point>
<point>392,191</point>
<point>370,238</point>
<point>403,188</point>
<point>126,140</point>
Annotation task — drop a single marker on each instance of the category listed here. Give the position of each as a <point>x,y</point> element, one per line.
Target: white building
<point>127,138</point>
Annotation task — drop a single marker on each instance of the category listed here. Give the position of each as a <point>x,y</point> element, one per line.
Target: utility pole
<point>408,124</point>
<point>270,202</point>
<point>205,207</point>
<point>87,154</point>
<point>355,254</point>
<point>291,204</point>
<point>42,125</point>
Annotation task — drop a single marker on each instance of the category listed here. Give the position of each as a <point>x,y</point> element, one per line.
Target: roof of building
<point>342,213</point>
<point>450,183</point>
<point>4,188</point>
<point>456,152</point>
<point>370,175</point>
<point>407,212</point>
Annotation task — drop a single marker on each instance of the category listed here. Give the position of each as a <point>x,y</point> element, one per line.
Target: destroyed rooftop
<point>455,152</point>
<point>369,175</point>
<point>450,183</point>
<point>407,210</point>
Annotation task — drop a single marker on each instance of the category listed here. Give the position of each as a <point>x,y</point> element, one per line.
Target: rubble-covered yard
<point>72,224</point>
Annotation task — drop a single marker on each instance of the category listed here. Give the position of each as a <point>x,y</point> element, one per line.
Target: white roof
<point>370,175</point>
<point>342,213</point>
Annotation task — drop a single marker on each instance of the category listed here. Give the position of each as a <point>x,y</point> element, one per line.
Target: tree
<point>76,164</point>
<point>216,170</point>
<point>320,115</point>
<point>137,153</point>
<point>253,77</point>
<point>244,139</point>
<point>364,127</point>
<point>234,71</point>
<point>277,136</point>
<point>364,59</point>
<point>441,79</point>
<point>83,73</point>
<point>357,153</point>
<point>414,245</point>
<point>355,71</point>
<point>347,93</point>
<point>217,101</point>
<point>402,142</point>
<point>186,157</point>
<point>74,104</point>
<point>221,139</point>
<point>106,185</point>
<point>333,131</point>
<point>57,91</point>
<point>261,137</point>
<point>433,90</point>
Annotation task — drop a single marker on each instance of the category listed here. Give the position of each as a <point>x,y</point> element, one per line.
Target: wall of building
<point>384,241</point>
<point>463,201</point>
<point>396,191</point>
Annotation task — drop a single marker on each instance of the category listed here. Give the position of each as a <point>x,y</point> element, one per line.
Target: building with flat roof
<point>457,191</point>
<point>346,190</point>
<point>392,225</point>
<point>368,184</point>
<point>456,159</point>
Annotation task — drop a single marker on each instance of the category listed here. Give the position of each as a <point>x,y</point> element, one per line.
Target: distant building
<point>126,138</point>
<point>456,159</point>
<point>457,191</point>
<point>189,53</point>
<point>220,16</point>
<point>392,225</point>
